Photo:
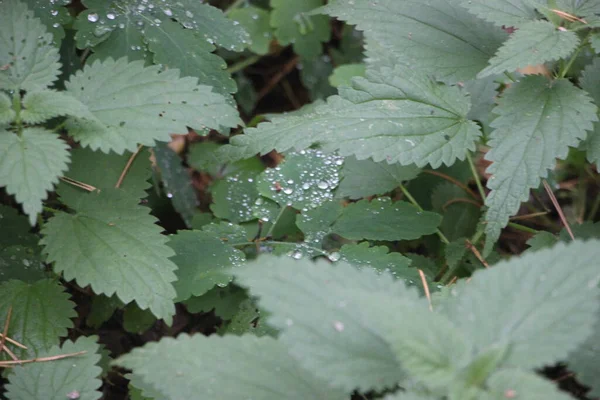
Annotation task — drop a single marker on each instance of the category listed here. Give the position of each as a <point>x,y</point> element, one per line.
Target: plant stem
<point>243,64</point>
<point>565,70</point>
<point>50,210</point>
<point>272,228</point>
<point>234,5</point>
<point>414,202</point>
<point>17,109</point>
<point>476,177</point>
<point>523,228</point>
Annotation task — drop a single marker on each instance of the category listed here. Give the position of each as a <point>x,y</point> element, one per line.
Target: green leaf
<point>362,178</point>
<point>52,15</point>
<point>523,384</point>
<point>483,98</point>
<point>579,7</point>
<point>15,229</point>
<point>381,219</point>
<point>256,22</point>
<point>379,258</point>
<point>294,26</point>
<point>41,315</point>
<point>42,105</point>
<point>305,180</point>
<point>113,245</point>
<point>176,47</point>
<point>316,223</point>
<point>455,251</point>
<point>511,13</point>
<point>397,115</point>
<point>136,320</point>
<point>249,319</point>
<point>315,305</point>
<point>103,171</point>
<point>342,75</point>
<point>538,121</point>
<point>228,232</point>
<point>584,361</point>
<point>7,114</point>
<point>225,301</point>
<point>314,74</point>
<point>590,82</point>
<point>136,104</point>
<point>595,42</point>
<point>437,37</point>
<point>30,164</point>
<point>75,377</point>
<point>541,240</point>
<point>461,213</point>
<point>177,182</point>
<point>28,59</point>
<point>537,295</point>
<point>249,367</point>
<point>533,43</point>
<point>102,308</point>
<point>21,263</point>
<point>203,261</point>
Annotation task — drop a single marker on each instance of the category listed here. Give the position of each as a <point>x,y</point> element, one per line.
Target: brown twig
<point>476,252</point>
<point>558,208</point>
<point>78,184</point>
<point>127,166</point>
<point>12,341</point>
<point>454,181</point>
<point>9,364</point>
<point>426,287</point>
<point>528,216</point>
<point>286,69</point>
<point>5,331</point>
<point>10,353</point>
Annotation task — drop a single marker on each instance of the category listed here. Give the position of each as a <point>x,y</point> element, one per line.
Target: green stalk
<point>243,64</point>
<point>476,177</point>
<point>414,202</point>
<point>17,109</point>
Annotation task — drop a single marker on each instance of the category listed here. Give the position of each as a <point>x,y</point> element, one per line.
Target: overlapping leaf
<point>30,164</point>
<point>508,13</point>
<point>227,368</point>
<point>256,21</point>
<point>7,114</point>
<point>113,245</point>
<point>133,104</point>
<point>380,259</point>
<point>397,115</point>
<point>590,82</point>
<point>42,105</point>
<point>538,121</point>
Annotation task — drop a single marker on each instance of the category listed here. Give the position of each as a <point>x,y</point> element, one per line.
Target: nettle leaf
<point>584,361</point>
<point>524,384</point>
<point>380,219</point>
<point>7,114</point>
<point>579,7</point>
<point>30,164</point>
<point>135,104</point>
<point>361,178</point>
<point>75,377</point>
<point>505,13</point>
<point>136,320</point>
<point>42,105</point>
<point>113,245</point>
<point>595,42</point>
<point>398,115</point>
<point>28,59</point>
<point>590,82</point>
<point>103,171</point>
<point>437,37</point>
<point>248,367</point>
<point>15,229</point>
<point>21,263</point>
<point>533,43</point>
<point>541,297</point>
<point>314,304</point>
<point>379,258</point>
<point>52,14</point>
<point>316,223</point>
<point>225,301</point>
<point>294,26</point>
<point>256,21</point>
<point>41,314</point>
<point>305,180</point>
<point>538,121</point>
<point>203,262</point>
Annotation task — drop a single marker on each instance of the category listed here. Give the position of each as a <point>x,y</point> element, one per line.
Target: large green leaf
<point>226,368</point>
<point>397,115</point>
<point>538,295</point>
<point>30,165</point>
<point>42,105</point>
<point>28,60</point>
<point>315,305</point>
<point>585,361</point>
<point>256,21</point>
<point>590,82</point>
<point>533,43</point>
<point>135,104</point>
<point>113,245</point>
<point>203,262</point>
<point>293,26</point>
<point>579,7</point>
<point>76,377</point>
<point>506,13</point>
<point>436,36</point>
<point>41,314</point>
<point>52,14</point>
<point>380,219</point>
<point>538,121</point>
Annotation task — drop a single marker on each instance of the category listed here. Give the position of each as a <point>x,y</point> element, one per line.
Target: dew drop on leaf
<point>93,17</point>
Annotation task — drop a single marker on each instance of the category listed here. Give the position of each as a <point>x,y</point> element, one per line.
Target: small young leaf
<point>316,223</point>
<point>42,105</point>
<point>246,367</point>
<point>225,301</point>
<point>342,75</point>
<point>533,43</point>
<point>30,164</point>
<point>538,121</point>
<point>28,60</point>
<point>76,377</point>
<point>136,104</point>
<point>7,114</point>
<point>256,22</point>
<point>113,245</point>
<point>380,259</point>
<point>41,314</point>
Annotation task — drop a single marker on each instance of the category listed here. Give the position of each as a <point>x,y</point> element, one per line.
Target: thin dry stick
<point>476,252</point>
<point>568,17</point>
<point>78,184</point>
<point>10,353</point>
<point>460,200</point>
<point>12,341</point>
<point>426,287</point>
<point>528,216</point>
<point>558,209</point>
<point>8,364</point>
<point>454,181</point>
<point>6,324</point>
<point>127,166</point>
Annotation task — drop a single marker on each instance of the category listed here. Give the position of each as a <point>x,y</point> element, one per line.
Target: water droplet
<point>189,14</point>
<point>296,255</point>
<point>335,256</point>
<point>54,13</point>
<point>322,185</point>
<point>338,326</point>
<point>168,12</point>
<point>288,190</point>
<point>170,195</point>
<point>289,322</point>
<point>93,17</point>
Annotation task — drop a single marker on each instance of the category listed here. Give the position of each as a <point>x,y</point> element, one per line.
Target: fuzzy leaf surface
<point>28,59</point>
<point>504,12</point>
<point>537,123</point>
<point>398,115</point>
<point>314,304</point>
<point>42,105</point>
<point>256,21</point>
<point>133,104</point>
<point>7,114</point>
<point>533,43</point>
<point>113,245</point>
<point>590,82</point>
<point>247,367</point>
<point>526,384</point>
<point>60,379</point>
<point>41,314</point>
<point>30,165</point>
